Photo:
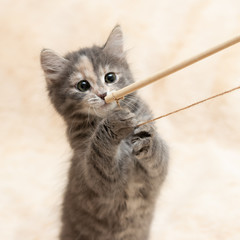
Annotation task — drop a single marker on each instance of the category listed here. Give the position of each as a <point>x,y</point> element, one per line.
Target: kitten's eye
<point>83,86</point>
<point>110,77</point>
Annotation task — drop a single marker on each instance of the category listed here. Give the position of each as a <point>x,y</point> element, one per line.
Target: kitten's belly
<point>113,218</point>
<point>136,220</point>
<point>126,223</point>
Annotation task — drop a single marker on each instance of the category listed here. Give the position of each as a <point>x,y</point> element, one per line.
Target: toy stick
<point>118,95</point>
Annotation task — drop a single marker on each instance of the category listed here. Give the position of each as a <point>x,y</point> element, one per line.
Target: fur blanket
<point>200,199</point>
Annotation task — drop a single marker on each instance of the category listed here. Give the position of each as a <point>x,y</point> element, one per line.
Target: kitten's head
<point>79,81</point>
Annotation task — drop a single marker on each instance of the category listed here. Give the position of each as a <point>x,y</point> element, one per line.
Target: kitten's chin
<point>103,110</point>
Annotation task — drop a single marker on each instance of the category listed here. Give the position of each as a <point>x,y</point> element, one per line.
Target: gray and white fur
<point>117,168</point>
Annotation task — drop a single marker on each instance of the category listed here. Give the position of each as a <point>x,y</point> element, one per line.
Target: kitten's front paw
<point>142,142</point>
<point>120,123</point>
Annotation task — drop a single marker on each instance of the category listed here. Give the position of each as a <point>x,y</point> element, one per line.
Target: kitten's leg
<point>150,150</point>
<point>106,167</point>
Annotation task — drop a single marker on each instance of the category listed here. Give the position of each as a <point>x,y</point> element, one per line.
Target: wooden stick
<point>117,95</point>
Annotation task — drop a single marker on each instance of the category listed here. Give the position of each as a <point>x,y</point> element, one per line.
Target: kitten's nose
<point>102,95</point>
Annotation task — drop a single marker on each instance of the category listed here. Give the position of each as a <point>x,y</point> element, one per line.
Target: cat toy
<point>119,95</point>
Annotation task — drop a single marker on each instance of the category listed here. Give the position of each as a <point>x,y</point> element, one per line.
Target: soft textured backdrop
<point>201,197</point>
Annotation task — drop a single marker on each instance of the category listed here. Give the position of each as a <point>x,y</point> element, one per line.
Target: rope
<point>189,106</point>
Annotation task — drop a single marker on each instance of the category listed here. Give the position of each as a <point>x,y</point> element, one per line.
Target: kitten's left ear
<point>114,44</point>
<point>52,64</point>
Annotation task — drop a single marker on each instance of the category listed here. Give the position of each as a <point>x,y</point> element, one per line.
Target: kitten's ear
<point>52,65</point>
<point>114,44</point>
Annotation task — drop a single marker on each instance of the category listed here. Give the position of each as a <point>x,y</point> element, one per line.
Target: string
<point>117,100</point>
<point>189,106</point>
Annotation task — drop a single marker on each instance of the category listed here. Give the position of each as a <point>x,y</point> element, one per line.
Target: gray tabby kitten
<point>117,168</point>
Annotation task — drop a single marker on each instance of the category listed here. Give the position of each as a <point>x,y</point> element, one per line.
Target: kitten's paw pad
<point>141,147</point>
<point>146,129</point>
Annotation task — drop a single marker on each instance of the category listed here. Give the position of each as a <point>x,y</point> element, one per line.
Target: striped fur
<point>116,169</point>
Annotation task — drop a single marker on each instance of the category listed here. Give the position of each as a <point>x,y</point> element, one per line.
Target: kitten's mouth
<point>105,105</point>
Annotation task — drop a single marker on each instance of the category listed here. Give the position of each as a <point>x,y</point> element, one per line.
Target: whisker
<point>95,111</point>
<point>130,105</point>
<point>88,118</point>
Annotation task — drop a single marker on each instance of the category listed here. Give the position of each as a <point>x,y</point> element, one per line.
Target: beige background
<point>201,197</point>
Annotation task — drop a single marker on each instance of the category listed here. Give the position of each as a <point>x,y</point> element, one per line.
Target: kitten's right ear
<point>52,64</point>
<point>114,44</point>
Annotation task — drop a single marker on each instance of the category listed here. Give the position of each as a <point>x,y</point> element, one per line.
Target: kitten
<point>117,168</point>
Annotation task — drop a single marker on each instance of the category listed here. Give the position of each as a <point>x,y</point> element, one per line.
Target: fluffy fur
<point>116,169</point>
